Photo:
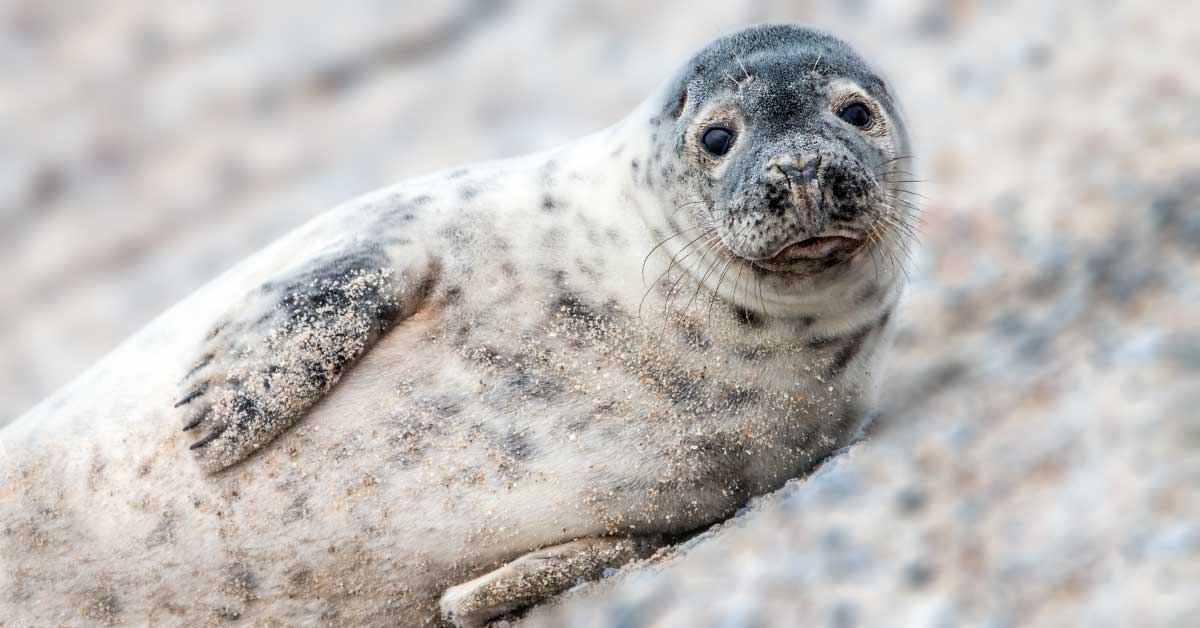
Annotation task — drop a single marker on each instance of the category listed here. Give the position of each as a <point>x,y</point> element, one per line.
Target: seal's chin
<point>810,254</point>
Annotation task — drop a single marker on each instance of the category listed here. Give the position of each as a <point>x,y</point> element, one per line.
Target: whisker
<point>873,243</point>
<point>721,252</point>
<point>737,281</point>
<point>911,193</point>
<point>656,247</point>
<point>673,292</point>
<point>761,302</point>
<point>674,260</point>
<point>699,284</point>
<point>900,224</point>
<point>716,294</point>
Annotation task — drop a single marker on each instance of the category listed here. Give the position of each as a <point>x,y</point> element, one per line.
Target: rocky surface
<point>1036,462</point>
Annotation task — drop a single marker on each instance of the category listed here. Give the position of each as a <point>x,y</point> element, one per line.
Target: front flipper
<point>537,576</point>
<point>281,349</point>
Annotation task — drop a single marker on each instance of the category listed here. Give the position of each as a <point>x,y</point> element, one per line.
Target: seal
<point>457,396</point>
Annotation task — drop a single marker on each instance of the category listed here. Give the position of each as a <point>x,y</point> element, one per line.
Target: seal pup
<point>545,367</point>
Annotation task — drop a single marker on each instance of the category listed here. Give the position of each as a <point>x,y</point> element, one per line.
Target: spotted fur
<point>585,352</point>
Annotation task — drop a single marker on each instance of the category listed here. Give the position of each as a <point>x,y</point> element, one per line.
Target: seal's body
<point>544,367</point>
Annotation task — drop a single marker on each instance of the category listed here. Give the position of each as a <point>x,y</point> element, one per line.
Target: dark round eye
<point>717,140</point>
<point>857,114</point>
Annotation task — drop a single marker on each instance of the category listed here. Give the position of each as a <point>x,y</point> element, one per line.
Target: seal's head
<point>789,148</point>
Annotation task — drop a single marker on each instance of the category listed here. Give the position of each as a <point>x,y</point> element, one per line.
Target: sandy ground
<point>1037,460</point>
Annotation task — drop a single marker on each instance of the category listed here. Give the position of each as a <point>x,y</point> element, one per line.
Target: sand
<point>1036,459</point>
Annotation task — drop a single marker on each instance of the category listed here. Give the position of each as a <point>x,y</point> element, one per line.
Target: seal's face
<point>794,147</point>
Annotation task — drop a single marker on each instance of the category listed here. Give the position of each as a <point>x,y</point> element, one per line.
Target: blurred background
<point>1036,462</point>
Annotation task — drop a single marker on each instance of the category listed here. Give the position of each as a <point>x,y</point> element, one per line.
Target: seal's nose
<point>799,170</point>
<point>798,178</point>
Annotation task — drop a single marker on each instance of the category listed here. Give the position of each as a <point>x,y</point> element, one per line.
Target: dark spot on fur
<point>714,460</point>
<point>297,509</point>
<point>586,269</point>
<point>573,306</point>
<point>549,204</point>
<point>444,406</point>
<point>533,384</point>
<point>520,373</point>
<point>733,397</point>
<point>299,577</point>
<point>577,425</point>
<point>518,446</point>
<point>886,318</point>
<point>452,295</point>
<point>103,606</point>
<point>240,581</point>
<point>164,531</point>
<point>753,353</point>
<point>487,356</point>
<point>748,318</point>
<point>96,471</point>
<point>456,235</point>
<point>677,385</point>
<point>849,350</point>
<point>634,165</point>
<point>870,291</point>
<point>691,333</point>
<point>245,408</point>
<point>468,192</point>
<point>405,210</point>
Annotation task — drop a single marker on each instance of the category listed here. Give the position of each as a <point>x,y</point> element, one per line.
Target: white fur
<point>105,516</point>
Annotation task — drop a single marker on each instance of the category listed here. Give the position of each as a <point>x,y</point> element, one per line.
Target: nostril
<point>812,166</point>
<point>799,170</point>
<point>790,172</point>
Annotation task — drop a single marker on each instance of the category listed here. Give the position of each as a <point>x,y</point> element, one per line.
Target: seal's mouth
<point>816,248</point>
<point>826,248</point>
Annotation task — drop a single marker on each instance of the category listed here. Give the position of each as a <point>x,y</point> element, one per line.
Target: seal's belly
<point>595,423</point>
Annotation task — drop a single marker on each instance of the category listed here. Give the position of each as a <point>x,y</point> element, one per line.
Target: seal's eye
<point>717,140</point>
<point>856,113</point>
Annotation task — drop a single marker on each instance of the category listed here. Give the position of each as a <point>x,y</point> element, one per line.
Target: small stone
<point>843,615</point>
<point>918,573</point>
<point>911,500</point>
